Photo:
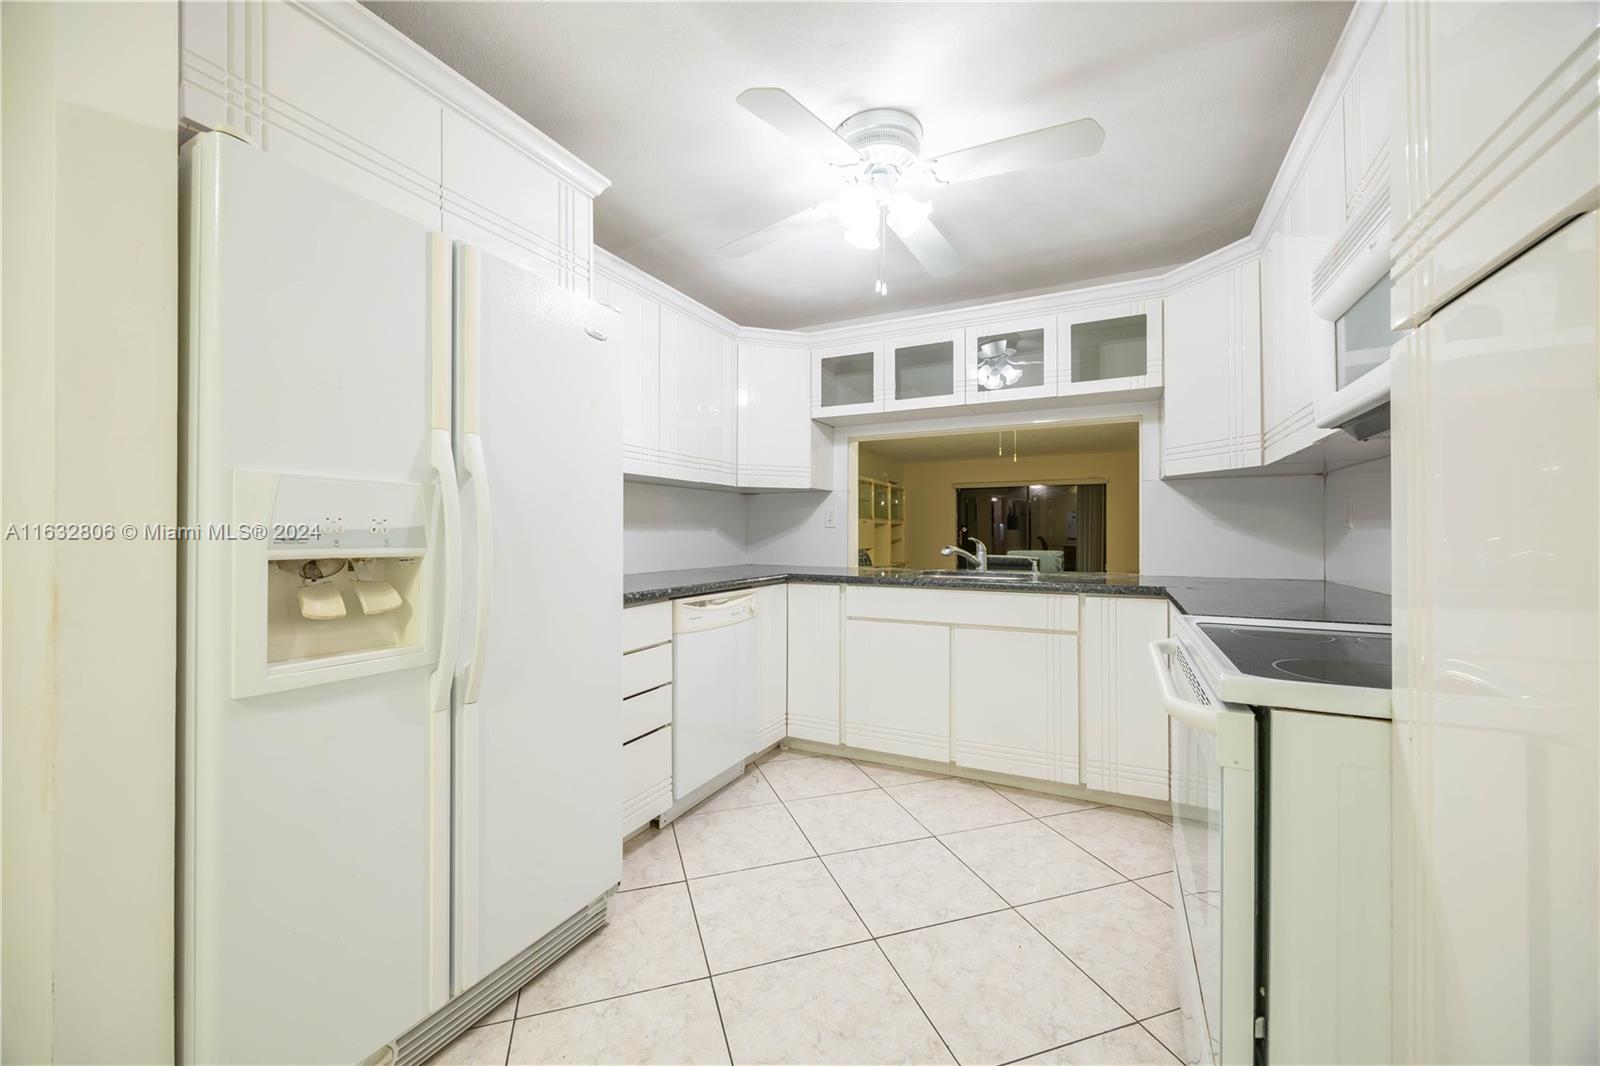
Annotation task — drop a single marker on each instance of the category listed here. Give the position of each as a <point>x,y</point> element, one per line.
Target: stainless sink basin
<point>981,576</point>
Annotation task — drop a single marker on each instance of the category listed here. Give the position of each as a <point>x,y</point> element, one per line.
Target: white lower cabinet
<point>772,668</point>
<point>1014,702</point>
<point>645,723</point>
<point>1124,723</point>
<point>1052,687</point>
<point>646,778</point>
<point>897,687</point>
<point>814,650</point>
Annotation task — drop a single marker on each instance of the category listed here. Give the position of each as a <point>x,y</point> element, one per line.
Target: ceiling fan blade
<point>766,235</point>
<point>931,249</point>
<point>1053,144</point>
<point>786,115</point>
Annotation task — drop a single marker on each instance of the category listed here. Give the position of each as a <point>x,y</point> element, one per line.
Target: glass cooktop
<point>1324,656</point>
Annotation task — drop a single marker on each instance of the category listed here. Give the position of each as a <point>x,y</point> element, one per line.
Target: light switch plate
<point>828,520</point>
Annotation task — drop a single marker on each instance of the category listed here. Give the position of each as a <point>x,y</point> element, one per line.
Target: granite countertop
<point>1272,598</point>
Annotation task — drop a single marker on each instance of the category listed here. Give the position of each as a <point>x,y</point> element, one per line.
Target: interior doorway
<point>1061,525</point>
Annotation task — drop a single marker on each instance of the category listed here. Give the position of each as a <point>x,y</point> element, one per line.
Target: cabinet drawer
<point>646,778</point>
<point>643,670</point>
<point>647,625</point>
<point>1010,610</point>
<point>646,711</point>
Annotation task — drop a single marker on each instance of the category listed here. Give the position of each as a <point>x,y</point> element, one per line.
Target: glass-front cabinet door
<point>847,380</point>
<point>1111,347</point>
<point>1013,359</point>
<point>924,370</point>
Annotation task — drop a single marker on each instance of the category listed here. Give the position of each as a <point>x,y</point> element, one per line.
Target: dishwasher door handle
<point>713,612</point>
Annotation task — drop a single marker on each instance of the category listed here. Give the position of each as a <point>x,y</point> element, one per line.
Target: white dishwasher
<point>713,687</point>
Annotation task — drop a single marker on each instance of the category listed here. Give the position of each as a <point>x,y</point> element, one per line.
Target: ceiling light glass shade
<point>907,214</point>
<point>857,208</point>
<point>866,239</point>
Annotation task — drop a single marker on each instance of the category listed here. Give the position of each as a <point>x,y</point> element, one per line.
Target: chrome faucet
<point>981,560</point>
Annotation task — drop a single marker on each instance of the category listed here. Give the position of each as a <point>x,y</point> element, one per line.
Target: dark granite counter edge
<point>1259,598</point>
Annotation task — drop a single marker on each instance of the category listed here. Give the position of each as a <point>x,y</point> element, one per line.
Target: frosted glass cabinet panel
<point>1011,360</point>
<point>1110,346</point>
<point>924,370</point>
<point>847,380</point>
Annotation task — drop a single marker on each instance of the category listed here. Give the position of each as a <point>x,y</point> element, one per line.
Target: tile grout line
<point>701,937</point>
<point>868,929</point>
<point>1017,911</point>
<point>874,938</point>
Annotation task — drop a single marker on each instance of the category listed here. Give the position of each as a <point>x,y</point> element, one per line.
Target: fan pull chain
<point>882,287</point>
<point>1013,446</point>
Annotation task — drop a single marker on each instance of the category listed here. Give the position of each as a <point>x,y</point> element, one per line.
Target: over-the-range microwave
<point>1351,289</point>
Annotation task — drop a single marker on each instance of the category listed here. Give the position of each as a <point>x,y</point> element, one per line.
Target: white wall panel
<point>1357,527</point>
<point>668,527</point>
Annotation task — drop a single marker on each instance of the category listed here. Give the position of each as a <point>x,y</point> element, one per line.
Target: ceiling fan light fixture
<point>907,214</point>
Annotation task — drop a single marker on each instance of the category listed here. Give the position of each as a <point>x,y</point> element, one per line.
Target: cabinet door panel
<point>847,380</point>
<point>513,205</point>
<point>640,373</point>
<point>772,670</point>
<point>1014,702</point>
<point>813,682</point>
<point>1011,359</point>
<point>924,370</point>
<point>1109,347</point>
<point>1124,724</point>
<point>777,438</point>
<point>334,109</point>
<point>897,688</point>
<point>1211,407</point>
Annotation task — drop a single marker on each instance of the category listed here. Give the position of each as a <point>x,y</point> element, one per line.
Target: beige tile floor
<point>820,910</point>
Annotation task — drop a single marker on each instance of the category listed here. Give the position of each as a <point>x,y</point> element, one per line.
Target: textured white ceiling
<point>1199,102</point>
<point>1093,438</point>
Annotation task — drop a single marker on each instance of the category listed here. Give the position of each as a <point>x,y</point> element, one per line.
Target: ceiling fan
<point>877,154</point>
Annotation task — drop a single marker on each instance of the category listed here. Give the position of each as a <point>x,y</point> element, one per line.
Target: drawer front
<point>961,607</point>
<point>646,779</point>
<point>643,670</point>
<point>647,625</point>
<point>646,711</point>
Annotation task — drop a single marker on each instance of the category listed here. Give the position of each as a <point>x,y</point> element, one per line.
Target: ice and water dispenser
<point>331,578</point>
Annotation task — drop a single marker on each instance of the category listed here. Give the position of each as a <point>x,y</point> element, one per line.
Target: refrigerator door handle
<point>472,462</point>
<point>444,465</point>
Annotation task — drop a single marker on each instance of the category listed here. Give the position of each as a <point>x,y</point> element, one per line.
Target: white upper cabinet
<point>1011,359</point>
<point>1296,343</point>
<point>699,371</point>
<point>1211,406</point>
<point>340,93</point>
<point>1494,138</point>
<point>640,373</point>
<point>501,200</point>
<point>779,446</point>
<point>924,370</point>
<point>1365,111</point>
<point>1109,347</point>
<point>847,379</point>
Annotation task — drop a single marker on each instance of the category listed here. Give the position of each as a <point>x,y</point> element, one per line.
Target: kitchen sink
<point>980,576</point>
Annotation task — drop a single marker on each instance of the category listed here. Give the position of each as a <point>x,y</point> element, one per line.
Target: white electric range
<point>1280,799</point>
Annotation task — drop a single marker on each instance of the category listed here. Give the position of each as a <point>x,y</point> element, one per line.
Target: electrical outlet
<point>828,519</point>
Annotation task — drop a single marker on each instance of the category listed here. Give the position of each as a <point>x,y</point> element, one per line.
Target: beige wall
<point>931,499</point>
<point>88,433</point>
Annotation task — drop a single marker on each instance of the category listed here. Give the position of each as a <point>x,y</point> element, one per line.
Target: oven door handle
<point>1189,713</point>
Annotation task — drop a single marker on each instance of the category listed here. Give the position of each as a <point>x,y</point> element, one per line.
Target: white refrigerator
<point>398,792</point>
